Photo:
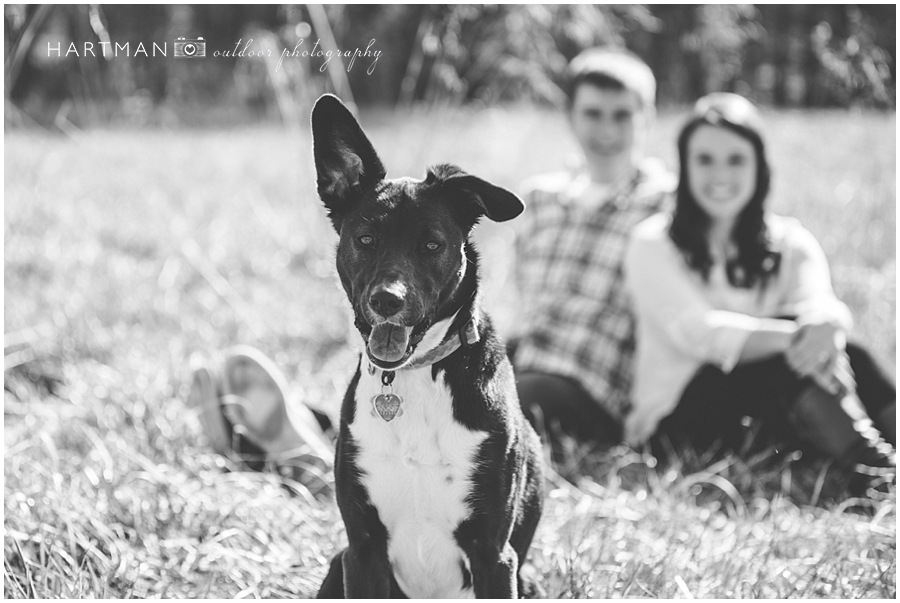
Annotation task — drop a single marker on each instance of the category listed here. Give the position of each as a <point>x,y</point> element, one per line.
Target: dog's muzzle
<point>391,340</point>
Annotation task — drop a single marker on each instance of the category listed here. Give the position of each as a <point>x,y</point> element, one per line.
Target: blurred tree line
<point>805,55</point>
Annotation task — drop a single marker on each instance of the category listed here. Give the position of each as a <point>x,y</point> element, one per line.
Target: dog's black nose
<point>385,303</point>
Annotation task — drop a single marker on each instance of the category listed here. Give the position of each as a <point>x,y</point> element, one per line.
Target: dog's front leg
<point>367,571</point>
<point>493,574</point>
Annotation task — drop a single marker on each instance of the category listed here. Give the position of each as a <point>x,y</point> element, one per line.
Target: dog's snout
<point>386,303</point>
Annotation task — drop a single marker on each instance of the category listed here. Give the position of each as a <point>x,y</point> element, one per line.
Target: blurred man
<point>574,352</point>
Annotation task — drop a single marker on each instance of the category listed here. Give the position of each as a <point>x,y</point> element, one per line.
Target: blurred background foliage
<point>797,55</point>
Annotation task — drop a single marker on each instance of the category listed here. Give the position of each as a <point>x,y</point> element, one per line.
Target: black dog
<point>437,471</point>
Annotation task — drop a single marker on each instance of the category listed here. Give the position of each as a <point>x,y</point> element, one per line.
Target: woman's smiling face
<point>721,171</point>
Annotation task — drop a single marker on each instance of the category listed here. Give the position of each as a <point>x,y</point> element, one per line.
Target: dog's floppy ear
<point>346,162</point>
<point>495,202</point>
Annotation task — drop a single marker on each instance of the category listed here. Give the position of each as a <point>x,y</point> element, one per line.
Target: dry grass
<point>126,252</point>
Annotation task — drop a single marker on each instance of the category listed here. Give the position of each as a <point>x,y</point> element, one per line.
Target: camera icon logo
<point>190,49</point>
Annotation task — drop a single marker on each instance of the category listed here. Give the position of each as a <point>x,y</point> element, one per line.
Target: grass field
<point>126,252</point>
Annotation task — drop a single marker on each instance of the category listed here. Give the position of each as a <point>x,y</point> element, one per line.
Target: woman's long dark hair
<point>756,261</point>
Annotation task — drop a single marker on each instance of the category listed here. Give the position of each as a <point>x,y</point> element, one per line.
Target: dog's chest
<point>417,471</point>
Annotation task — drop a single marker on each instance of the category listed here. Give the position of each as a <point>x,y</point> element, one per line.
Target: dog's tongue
<point>389,342</point>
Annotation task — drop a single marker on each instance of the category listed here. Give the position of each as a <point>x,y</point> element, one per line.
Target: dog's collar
<point>465,335</point>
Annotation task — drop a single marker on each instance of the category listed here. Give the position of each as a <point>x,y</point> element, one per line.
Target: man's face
<point>607,122</point>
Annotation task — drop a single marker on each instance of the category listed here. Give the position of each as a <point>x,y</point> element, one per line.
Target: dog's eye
<point>432,246</point>
<point>366,240</point>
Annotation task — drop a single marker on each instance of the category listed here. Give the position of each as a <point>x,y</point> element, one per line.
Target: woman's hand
<point>837,377</point>
<point>815,348</point>
<point>817,351</point>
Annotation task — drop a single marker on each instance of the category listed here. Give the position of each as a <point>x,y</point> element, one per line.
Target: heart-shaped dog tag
<point>387,405</point>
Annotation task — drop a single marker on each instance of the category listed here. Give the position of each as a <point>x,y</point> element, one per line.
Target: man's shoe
<point>243,410</point>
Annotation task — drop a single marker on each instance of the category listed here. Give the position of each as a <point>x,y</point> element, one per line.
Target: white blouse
<point>684,323</point>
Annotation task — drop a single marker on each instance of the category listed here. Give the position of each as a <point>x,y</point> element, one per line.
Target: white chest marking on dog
<point>417,471</point>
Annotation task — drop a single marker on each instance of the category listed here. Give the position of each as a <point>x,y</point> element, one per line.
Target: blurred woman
<point>737,317</point>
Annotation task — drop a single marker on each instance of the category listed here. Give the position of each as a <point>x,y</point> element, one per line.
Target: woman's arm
<point>667,295</point>
<point>774,336</point>
<point>810,296</point>
<point>823,319</point>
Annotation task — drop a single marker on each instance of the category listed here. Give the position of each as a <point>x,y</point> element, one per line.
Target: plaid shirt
<point>576,320</point>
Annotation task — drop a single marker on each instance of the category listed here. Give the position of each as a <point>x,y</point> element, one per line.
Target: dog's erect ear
<point>346,162</point>
<point>495,202</point>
